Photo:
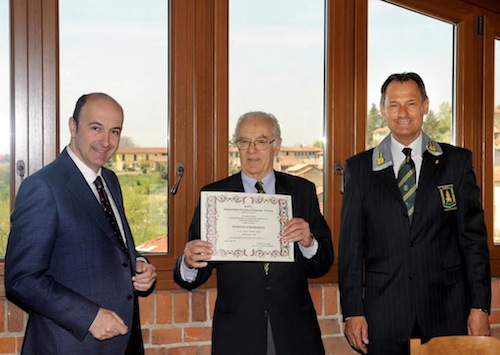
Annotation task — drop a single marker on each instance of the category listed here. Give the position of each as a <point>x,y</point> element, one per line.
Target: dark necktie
<point>103,197</point>
<point>259,185</point>
<point>407,182</point>
<point>260,190</point>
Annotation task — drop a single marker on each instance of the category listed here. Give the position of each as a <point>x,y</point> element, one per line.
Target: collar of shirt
<point>398,156</point>
<point>269,183</point>
<point>88,174</point>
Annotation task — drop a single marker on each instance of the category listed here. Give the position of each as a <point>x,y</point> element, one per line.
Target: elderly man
<point>262,310</point>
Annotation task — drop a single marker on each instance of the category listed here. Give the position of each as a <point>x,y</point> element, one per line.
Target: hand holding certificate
<point>246,226</point>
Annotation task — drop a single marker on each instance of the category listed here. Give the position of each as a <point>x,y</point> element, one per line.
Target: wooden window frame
<point>198,99</point>
<point>491,32</point>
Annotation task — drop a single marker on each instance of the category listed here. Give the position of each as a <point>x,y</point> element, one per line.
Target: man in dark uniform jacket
<point>413,252</point>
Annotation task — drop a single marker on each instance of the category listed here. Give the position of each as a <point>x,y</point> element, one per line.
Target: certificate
<point>246,226</point>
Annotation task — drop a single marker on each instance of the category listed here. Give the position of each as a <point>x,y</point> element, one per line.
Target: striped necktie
<point>407,182</point>
<point>260,189</point>
<point>259,185</point>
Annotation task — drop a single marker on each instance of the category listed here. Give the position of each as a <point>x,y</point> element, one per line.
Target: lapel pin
<point>380,159</point>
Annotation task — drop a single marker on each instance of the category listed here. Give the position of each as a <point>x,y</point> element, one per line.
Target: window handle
<point>21,168</point>
<point>339,170</point>
<point>180,174</point>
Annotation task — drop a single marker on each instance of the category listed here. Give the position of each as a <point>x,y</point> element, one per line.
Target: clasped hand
<point>145,276</point>
<point>107,324</point>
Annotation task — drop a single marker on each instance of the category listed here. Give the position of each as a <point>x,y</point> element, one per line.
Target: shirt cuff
<point>187,274</point>
<point>309,252</point>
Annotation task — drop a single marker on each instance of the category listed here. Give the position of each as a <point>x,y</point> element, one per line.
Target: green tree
<point>145,197</point>
<point>431,124</point>
<point>438,127</point>
<point>445,122</point>
<point>126,141</point>
<point>373,121</point>
<point>318,144</point>
<point>4,205</point>
<point>4,224</point>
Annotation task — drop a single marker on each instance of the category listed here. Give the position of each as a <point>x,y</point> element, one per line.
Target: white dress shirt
<point>398,156</point>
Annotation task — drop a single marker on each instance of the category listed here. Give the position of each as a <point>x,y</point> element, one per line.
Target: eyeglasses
<point>260,144</point>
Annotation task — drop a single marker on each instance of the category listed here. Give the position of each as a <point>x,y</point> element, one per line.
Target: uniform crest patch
<point>448,198</point>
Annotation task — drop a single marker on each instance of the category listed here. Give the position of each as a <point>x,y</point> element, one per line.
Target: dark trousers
<point>270,339</point>
<point>135,344</point>
<point>382,347</point>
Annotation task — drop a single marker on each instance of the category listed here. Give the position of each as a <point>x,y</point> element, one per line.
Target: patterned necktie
<point>407,182</point>
<point>103,197</point>
<point>259,185</point>
<point>260,190</point>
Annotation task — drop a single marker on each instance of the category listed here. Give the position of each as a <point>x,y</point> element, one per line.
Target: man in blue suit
<point>66,264</point>
<point>260,310</point>
<point>413,251</point>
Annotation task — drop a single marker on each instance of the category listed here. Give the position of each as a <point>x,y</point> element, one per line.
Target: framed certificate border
<point>246,226</point>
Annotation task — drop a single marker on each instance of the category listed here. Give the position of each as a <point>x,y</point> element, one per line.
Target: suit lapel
<point>235,183</point>
<point>383,167</point>
<point>387,176</point>
<point>283,187</point>
<point>78,187</point>
<point>430,168</point>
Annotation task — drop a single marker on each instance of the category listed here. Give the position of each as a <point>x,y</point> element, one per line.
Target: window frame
<point>198,99</point>
<point>491,33</point>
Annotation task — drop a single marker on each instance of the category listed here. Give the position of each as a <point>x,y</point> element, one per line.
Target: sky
<point>276,61</point>
<point>121,50</point>
<point>276,64</point>
<point>425,47</point>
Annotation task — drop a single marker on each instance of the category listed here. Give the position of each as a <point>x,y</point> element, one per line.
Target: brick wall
<point>179,322</point>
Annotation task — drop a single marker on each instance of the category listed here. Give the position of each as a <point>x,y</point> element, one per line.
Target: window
<point>496,145</point>
<point>122,50</point>
<point>200,125</point>
<point>5,129</point>
<point>410,42</point>
<point>276,65</point>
